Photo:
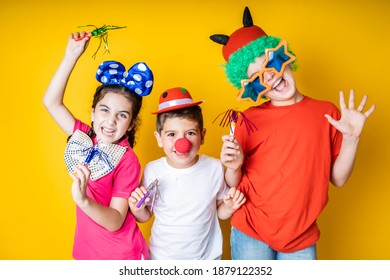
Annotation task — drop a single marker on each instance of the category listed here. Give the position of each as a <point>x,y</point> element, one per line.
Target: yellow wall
<point>338,46</point>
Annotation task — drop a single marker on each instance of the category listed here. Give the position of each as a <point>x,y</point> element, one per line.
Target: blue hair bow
<point>139,78</point>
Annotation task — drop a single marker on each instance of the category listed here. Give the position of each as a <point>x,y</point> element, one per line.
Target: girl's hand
<point>135,197</point>
<point>352,120</point>
<point>77,44</point>
<point>231,153</point>
<point>79,186</point>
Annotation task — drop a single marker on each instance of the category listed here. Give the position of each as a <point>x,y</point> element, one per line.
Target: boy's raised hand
<point>352,120</point>
<point>231,153</point>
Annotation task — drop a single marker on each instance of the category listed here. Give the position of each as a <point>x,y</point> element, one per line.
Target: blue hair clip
<point>138,79</point>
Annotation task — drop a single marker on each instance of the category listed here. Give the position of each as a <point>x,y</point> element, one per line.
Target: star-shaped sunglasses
<point>276,60</point>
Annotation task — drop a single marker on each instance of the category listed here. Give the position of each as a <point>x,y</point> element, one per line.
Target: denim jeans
<point>245,247</point>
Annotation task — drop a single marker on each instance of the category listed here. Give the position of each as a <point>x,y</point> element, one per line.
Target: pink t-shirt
<point>93,241</point>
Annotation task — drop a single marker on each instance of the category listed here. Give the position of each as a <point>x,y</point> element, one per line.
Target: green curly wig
<point>235,68</point>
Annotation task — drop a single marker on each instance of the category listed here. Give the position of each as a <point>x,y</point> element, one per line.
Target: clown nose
<point>182,145</point>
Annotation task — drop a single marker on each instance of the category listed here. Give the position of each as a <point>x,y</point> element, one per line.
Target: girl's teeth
<point>108,131</point>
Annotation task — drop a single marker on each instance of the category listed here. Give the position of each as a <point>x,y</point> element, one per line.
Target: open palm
<point>352,120</point>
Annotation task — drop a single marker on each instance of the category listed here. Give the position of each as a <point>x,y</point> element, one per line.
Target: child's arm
<point>111,217</point>
<point>233,200</point>
<point>54,95</point>
<point>142,213</point>
<point>350,125</point>
<point>232,158</point>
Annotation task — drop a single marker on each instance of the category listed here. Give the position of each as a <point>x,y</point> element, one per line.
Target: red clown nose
<point>183,145</point>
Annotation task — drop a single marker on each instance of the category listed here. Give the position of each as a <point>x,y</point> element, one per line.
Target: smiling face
<point>112,117</point>
<point>176,128</point>
<point>283,89</point>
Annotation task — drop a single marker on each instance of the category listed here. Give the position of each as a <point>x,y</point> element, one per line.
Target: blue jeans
<point>245,247</point>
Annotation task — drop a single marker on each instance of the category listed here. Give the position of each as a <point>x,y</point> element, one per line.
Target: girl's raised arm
<point>54,95</point>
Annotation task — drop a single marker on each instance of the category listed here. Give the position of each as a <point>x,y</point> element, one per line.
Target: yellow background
<point>338,46</point>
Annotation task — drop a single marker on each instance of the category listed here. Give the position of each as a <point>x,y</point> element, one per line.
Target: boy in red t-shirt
<point>285,164</point>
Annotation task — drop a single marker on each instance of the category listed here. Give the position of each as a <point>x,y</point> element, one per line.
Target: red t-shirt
<point>286,172</point>
<point>93,241</point>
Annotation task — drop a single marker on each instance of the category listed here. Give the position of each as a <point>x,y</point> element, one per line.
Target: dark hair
<point>136,104</point>
<point>192,113</point>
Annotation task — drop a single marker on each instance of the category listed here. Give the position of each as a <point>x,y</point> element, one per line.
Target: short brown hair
<point>192,113</point>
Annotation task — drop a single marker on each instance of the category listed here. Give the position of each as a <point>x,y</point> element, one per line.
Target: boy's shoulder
<point>211,162</point>
<point>321,103</point>
<point>305,102</point>
<point>155,162</point>
<point>207,158</point>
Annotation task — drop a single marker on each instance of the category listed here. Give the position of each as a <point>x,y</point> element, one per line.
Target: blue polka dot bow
<point>139,78</point>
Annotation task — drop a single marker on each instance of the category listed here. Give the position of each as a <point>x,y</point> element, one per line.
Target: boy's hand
<point>234,199</point>
<point>135,197</point>
<point>231,153</point>
<point>352,120</point>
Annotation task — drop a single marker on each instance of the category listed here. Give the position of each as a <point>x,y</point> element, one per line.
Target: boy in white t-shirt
<point>191,193</point>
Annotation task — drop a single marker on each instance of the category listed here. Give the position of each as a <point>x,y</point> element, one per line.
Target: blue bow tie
<point>101,158</point>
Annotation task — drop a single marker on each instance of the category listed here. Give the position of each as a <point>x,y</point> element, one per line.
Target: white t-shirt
<point>186,225</point>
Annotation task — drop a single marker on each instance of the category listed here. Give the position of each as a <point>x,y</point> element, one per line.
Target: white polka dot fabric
<point>139,78</point>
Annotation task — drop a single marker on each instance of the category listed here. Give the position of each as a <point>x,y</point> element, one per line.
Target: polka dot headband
<point>138,79</point>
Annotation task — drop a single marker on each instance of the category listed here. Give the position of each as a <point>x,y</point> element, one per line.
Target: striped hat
<point>174,99</point>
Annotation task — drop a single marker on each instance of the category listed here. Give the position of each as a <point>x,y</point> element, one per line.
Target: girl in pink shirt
<point>100,158</point>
